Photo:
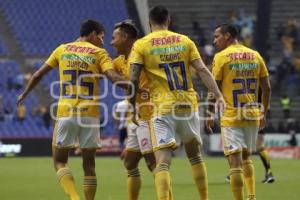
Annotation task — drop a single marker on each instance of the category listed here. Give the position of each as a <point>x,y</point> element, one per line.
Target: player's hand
<point>209,125</point>
<point>20,99</point>
<point>262,123</point>
<point>220,106</point>
<point>123,154</point>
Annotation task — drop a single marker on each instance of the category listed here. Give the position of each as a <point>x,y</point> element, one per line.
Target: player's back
<point>80,65</point>
<point>239,68</point>
<point>166,58</point>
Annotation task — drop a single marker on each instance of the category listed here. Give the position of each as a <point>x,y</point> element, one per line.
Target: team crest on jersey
<point>144,142</point>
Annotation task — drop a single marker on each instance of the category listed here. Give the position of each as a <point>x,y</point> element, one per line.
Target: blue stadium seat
<point>16,129</point>
<point>3,49</point>
<point>41,25</point>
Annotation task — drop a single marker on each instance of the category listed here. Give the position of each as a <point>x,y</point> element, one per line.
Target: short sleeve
<point>194,53</point>
<point>121,67</point>
<point>105,62</point>
<point>53,59</point>
<point>263,68</point>
<point>136,55</point>
<point>217,68</point>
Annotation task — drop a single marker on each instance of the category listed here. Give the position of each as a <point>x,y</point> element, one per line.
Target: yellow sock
<point>90,187</point>
<point>67,182</point>
<point>264,155</point>
<point>163,182</point>
<point>133,184</point>
<point>171,190</point>
<point>237,183</point>
<point>200,176</point>
<point>249,176</point>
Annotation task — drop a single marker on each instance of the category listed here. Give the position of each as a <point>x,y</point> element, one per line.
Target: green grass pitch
<point>34,179</point>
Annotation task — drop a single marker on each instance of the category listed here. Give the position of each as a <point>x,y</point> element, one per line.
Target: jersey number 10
<point>173,76</point>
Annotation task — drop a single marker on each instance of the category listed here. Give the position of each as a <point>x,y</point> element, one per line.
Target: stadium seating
<point>32,125</point>
<point>3,50</point>
<point>41,25</point>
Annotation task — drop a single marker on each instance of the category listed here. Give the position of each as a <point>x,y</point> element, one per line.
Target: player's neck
<point>82,39</point>
<point>158,28</point>
<point>127,49</point>
<point>233,42</point>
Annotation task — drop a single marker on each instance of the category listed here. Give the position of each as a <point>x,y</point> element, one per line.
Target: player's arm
<point>34,80</point>
<point>212,100</point>
<point>266,93</point>
<point>116,78</point>
<point>265,86</point>
<point>134,87</point>
<point>210,112</point>
<point>205,75</point>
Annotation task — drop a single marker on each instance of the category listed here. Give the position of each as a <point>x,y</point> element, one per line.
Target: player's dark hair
<point>90,25</point>
<point>128,27</point>
<point>229,28</point>
<point>159,15</point>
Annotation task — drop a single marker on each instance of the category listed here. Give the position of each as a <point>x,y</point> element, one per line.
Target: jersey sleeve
<point>117,65</point>
<point>104,61</point>
<point>120,66</point>
<point>136,55</point>
<point>194,53</point>
<point>217,68</point>
<point>53,59</point>
<point>263,68</point>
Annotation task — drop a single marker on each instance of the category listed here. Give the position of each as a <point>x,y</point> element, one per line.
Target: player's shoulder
<point>142,41</point>
<point>119,59</point>
<point>182,36</point>
<point>257,54</point>
<point>61,47</point>
<point>97,49</point>
<point>248,49</point>
<point>253,52</point>
<point>220,54</point>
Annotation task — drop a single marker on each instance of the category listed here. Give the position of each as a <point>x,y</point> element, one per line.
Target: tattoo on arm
<point>135,76</point>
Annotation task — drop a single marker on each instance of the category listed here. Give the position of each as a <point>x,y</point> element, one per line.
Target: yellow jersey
<point>80,65</point>
<point>143,97</point>
<point>166,57</point>
<point>239,69</point>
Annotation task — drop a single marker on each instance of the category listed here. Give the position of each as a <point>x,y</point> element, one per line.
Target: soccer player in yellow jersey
<point>166,57</point>
<point>263,154</point>
<point>239,72</point>
<point>138,142</point>
<point>80,64</point>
